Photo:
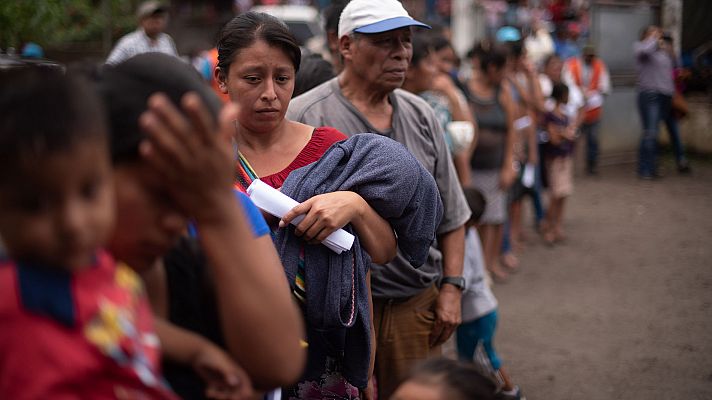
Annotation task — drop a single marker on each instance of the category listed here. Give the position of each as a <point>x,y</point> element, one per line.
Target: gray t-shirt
<point>415,126</point>
<point>654,67</point>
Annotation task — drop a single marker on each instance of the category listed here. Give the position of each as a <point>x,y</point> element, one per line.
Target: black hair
<point>245,29</point>
<point>332,14</point>
<point>421,49</point>
<point>439,42</point>
<point>476,201</point>
<point>44,111</point>
<point>516,49</point>
<point>478,50</point>
<point>314,71</point>
<point>126,87</point>
<point>559,92</point>
<point>460,380</point>
<point>495,57</point>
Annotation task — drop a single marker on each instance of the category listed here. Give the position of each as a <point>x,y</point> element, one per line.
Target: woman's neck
<point>260,142</point>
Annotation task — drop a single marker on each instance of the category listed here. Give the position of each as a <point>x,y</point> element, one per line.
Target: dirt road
<point>623,309</point>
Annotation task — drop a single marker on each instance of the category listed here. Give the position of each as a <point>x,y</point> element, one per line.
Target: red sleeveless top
<point>322,138</point>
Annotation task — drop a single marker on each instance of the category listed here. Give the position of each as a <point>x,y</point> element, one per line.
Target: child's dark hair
<point>421,49</point>
<point>44,111</point>
<point>559,92</point>
<point>460,380</point>
<point>126,87</point>
<point>476,201</point>
<point>245,29</point>
<point>496,57</point>
<point>314,71</point>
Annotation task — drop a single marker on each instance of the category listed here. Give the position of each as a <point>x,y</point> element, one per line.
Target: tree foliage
<point>52,22</point>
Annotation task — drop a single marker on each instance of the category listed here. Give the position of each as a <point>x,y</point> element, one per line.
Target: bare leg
<point>505,379</point>
<point>559,226</point>
<point>491,236</point>
<point>551,218</point>
<point>515,224</point>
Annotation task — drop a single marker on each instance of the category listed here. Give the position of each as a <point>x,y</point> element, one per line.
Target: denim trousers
<point>590,131</point>
<point>673,130</point>
<point>650,107</point>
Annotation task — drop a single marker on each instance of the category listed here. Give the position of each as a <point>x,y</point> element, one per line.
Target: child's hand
<point>223,377</point>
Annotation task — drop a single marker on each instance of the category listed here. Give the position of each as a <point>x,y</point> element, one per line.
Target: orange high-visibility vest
<point>213,59</point>
<point>593,114</point>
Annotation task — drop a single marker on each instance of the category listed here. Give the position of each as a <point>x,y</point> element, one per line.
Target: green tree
<point>52,22</point>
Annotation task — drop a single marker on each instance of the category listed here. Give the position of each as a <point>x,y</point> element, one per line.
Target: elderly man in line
<point>415,310</point>
<point>149,37</point>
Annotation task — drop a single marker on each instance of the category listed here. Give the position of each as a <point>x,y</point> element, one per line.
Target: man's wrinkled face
<point>381,59</point>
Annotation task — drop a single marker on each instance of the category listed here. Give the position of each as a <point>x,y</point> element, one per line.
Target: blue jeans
<point>673,130</point>
<point>472,333</point>
<point>650,108</point>
<point>590,130</point>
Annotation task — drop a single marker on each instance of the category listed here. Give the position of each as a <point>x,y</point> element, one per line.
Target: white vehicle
<point>303,21</point>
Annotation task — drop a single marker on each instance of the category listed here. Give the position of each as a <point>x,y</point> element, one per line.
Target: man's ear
<point>220,78</point>
<point>346,47</point>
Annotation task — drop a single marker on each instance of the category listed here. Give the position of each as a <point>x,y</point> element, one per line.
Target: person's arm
<point>261,324</point>
<point>325,213</point>
<point>532,140</point>
<point>604,83</point>
<point>448,313</point>
<point>507,173</point>
<point>224,379</point>
<point>645,48</point>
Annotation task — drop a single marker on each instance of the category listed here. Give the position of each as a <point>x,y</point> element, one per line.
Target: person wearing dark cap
<point>375,43</point>
<point>590,75</point>
<point>149,37</point>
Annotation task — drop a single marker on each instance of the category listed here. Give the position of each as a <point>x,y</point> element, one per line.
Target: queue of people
<point>135,265</point>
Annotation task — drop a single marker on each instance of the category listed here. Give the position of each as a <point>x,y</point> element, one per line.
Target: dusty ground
<point>623,309</point>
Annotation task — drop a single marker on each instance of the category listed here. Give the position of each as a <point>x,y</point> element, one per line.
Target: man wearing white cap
<point>415,310</point>
<point>149,37</point>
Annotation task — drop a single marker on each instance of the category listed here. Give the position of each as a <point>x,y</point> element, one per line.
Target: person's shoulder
<point>329,134</point>
<point>129,37</point>
<point>317,97</point>
<point>406,97</point>
<point>414,104</point>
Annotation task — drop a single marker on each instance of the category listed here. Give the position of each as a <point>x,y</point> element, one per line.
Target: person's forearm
<point>645,47</point>
<point>532,142</point>
<point>461,161</point>
<point>177,344</point>
<point>459,111</point>
<point>452,246</point>
<point>261,324</point>
<point>375,234</point>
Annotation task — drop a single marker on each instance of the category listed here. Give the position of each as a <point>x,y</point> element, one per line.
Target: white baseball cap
<point>375,16</point>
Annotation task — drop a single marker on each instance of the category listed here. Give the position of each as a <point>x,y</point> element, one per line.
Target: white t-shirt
<point>477,299</point>
<point>575,103</point>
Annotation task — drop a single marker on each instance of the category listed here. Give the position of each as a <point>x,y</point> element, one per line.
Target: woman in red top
<point>257,63</point>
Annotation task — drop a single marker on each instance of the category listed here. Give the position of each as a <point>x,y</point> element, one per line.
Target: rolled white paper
<point>276,203</point>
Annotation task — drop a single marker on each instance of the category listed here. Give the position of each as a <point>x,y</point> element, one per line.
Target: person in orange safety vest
<point>590,74</point>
